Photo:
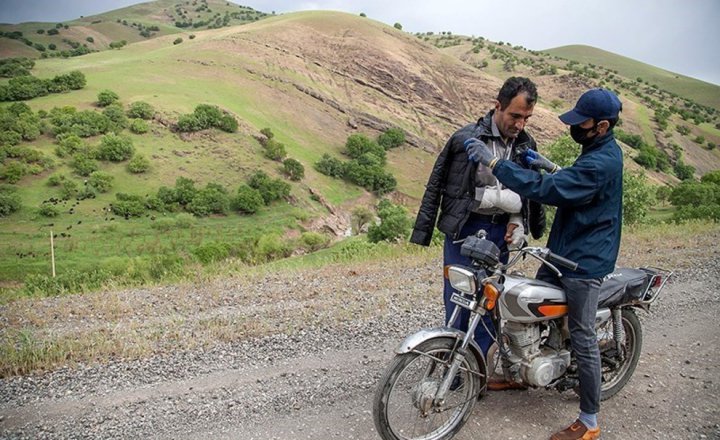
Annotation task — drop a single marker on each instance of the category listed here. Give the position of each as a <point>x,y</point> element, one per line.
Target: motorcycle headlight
<point>462,279</point>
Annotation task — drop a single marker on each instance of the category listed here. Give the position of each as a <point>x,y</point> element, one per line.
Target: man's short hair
<point>514,86</point>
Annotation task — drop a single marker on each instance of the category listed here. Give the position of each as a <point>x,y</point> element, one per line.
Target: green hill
<point>699,91</point>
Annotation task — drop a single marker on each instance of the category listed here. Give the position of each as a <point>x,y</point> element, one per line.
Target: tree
<point>330,166</point>
<point>563,151</point>
<point>141,110</point>
<point>106,97</point>
<point>294,169</point>
<point>638,197</point>
<point>397,26</point>
<point>9,200</point>
<point>359,144</point>
<point>270,189</point>
<point>274,150</point>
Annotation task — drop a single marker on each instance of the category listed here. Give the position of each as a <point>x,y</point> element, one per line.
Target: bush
<point>274,150</point>
<point>69,189</point>
<point>139,126</point>
<point>713,178</point>
<point>101,181</point>
<point>115,148</point>
<point>211,252</point>
<point>141,110</point>
<point>70,281</point>
<point>267,132</point>
<point>106,97</point>
<point>206,116</point>
<point>184,191</point>
<point>13,171</point>
<point>9,200</point>
<point>68,144</point>
<point>128,205</point>
<point>84,123</point>
<point>213,199</point>
<point>360,217</point>
<point>56,180</point>
<point>563,151</point>
<point>313,241</point>
<point>271,247</point>
<point>684,171</point>
<point>394,223</point>
<point>138,164</point>
<point>391,138</point>
<point>178,40</point>
<point>294,169</point>
<point>83,164</point>
<point>116,116</point>
<point>247,200</point>
<point>270,189</point>
<point>638,197</point>
<point>330,166</point>
<point>689,194</point>
<point>359,144</point>
<point>48,210</point>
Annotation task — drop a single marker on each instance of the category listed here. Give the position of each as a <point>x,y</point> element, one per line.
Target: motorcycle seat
<point>622,286</point>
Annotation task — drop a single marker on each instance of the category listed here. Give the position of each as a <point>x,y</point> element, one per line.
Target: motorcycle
<point>430,388</point>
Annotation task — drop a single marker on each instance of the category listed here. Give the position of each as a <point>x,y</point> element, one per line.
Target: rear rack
<point>658,278</point>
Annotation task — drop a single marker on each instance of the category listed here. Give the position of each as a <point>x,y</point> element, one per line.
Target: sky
<point>676,35</point>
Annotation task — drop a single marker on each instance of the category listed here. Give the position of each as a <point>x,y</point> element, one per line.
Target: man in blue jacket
<point>587,228</point>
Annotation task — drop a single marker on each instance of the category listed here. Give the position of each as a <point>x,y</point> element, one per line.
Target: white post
<point>52,253</point>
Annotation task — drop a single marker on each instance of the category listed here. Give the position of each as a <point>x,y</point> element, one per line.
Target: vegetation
<point>22,88</point>
<point>394,224</point>
<point>207,116</point>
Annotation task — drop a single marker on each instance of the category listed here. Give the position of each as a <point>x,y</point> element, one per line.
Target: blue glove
<point>477,151</point>
<point>534,159</point>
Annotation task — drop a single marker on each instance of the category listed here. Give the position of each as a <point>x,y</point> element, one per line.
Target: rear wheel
<point>615,376</point>
<point>404,406</point>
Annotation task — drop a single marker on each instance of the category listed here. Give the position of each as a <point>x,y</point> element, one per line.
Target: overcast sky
<point>682,36</point>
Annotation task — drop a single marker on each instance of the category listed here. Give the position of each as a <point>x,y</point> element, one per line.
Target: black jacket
<point>451,187</point>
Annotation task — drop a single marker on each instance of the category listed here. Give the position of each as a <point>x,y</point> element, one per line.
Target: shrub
<point>359,144</point>
<point>69,189</point>
<point>313,241</point>
<point>178,40</point>
<point>48,210</point>
<point>563,151</point>
<point>391,138</point>
<point>270,189</point>
<point>394,223</point>
<point>101,181</point>
<point>106,97</point>
<point>213,199</point>
<point>294,169</point>
<point>13,171</point>
<point>116,116</point>
<point>184,190</point>
<point>247,200</point>
<point>638,197</point>
<point>274,150</point>
<point>689,194</point>
<point>713,177</point>
<point>9,200</point>
<point>139,126</point>
<point>711,212</point>
<point>185,221</point>
<point>330,166</point>
<point>115,148</point>
<point>360,217</point>
<point>211,252</point>
<point>141,110</point>
<point>56,180</point>
<point>128,205</point>
<point>271,247</point>
<point>267,132</point>
<point>138,164</point>
<point>68,144</point>
<point>83,164</point>
<point>228,123</point>
<point>684,171</point>
<point>70,281</point>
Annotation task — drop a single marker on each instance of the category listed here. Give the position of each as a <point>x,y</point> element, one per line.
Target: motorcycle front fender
<point>412,341</point>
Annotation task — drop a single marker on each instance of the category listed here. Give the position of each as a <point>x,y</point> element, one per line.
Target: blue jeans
<point>582,298</point>
<point>451,255</point>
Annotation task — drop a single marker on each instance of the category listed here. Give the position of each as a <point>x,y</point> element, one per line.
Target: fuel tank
<point>529,300</point>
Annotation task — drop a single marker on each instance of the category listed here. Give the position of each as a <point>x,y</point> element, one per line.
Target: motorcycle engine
<point>537,366</point>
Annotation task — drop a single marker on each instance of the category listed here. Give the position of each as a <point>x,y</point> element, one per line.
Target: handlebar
<point>562,261</point>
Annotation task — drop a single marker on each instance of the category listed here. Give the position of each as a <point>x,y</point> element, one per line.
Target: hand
<point>533,158</point>
<point>515,236</point>
<point>477,151</point>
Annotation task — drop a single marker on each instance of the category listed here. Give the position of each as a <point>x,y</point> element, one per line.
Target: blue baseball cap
<point>598,104</point>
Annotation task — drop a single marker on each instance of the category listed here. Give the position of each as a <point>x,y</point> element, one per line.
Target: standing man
<point>586,229</point>
<point>471,198</point>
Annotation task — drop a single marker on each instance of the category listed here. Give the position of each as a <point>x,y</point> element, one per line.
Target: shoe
<point>499,384</point>
<point>577,431</point>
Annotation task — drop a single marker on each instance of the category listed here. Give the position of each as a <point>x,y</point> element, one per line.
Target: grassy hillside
<point>699,91</point>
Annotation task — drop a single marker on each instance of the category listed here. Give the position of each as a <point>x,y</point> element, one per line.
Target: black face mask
<point>580,135</point>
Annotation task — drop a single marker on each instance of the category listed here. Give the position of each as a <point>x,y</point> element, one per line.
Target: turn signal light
<point>491,294</point>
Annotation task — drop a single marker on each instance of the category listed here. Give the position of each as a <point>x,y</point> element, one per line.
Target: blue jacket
<point>588,196</point>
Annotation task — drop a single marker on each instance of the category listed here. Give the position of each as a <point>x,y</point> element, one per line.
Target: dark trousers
<point>451,255</point>
<point>582,298</point>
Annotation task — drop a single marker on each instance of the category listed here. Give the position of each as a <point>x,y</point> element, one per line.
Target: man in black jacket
<point>470,198</point>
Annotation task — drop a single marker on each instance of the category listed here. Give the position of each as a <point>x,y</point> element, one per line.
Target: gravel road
<point>317,382</point>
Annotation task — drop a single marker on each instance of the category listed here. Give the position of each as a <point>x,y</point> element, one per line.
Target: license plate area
<point>462,301</point>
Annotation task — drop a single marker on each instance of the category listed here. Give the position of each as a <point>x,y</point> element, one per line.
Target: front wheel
<point>405,407</point>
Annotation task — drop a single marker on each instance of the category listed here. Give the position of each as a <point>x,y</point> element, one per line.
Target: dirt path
<point>318,384</point>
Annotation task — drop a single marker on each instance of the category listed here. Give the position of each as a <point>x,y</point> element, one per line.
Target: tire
<point>408,384</point>
<point>615,378</point>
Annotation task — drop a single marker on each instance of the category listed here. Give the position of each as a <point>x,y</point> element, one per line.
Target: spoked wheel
<point>405,407</point>
<point>615,376</point>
